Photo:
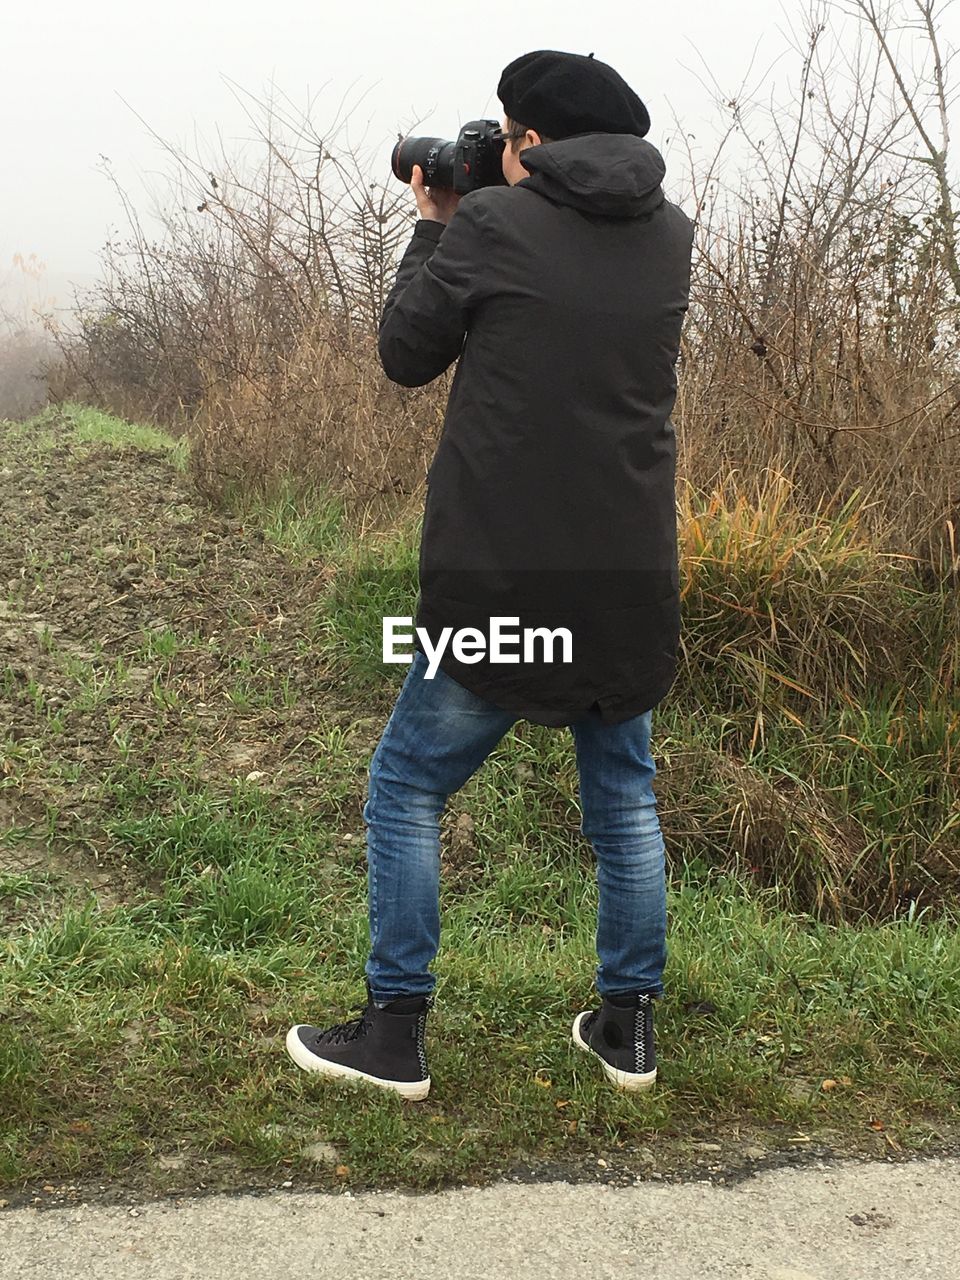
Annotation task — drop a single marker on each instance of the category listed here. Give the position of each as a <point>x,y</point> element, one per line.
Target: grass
<point>813,734</point>
<point>814,938</point>
<point>88,426</point>
<point>155,1027</point>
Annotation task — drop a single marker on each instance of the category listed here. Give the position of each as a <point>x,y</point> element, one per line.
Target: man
<point>550,502</point>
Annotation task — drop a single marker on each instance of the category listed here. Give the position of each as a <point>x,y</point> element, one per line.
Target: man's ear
<point>533,138</point>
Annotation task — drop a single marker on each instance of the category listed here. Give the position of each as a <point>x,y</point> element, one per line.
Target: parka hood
<point>616,175</point>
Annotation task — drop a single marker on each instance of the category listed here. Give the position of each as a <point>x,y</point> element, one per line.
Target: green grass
<point>805,837</point>
<point>157,1026</point>
<point>88,426</point>
<point>313,526</point>
<point>374,580</point>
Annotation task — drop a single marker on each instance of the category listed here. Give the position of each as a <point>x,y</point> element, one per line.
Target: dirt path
<point>135,619</point>
<point>846,1221</point>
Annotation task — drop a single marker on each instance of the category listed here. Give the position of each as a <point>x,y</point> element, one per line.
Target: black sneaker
<point>620,1034</point>
<point>385,1046</point>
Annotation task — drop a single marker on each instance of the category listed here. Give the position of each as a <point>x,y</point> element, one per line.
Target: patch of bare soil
<point>139,628</point>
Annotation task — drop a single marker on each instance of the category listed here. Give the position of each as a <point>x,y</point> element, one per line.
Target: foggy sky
<point>68,68</point>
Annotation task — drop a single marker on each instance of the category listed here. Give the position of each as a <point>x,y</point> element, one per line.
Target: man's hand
<point>436,204</point>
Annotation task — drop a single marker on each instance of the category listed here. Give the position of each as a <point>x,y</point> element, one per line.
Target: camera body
<point>474,160</point>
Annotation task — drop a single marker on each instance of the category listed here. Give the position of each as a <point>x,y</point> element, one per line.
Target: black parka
<point>550,498</point>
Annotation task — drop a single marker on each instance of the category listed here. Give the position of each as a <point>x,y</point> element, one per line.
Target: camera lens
<point>435,156</point>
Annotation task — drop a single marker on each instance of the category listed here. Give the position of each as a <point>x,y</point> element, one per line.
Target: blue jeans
<point>437,736</point>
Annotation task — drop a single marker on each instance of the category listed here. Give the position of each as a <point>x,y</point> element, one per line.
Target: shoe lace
<point>342,1032</point>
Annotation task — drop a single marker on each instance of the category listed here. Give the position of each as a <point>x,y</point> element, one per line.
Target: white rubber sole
<point>413,1091</point>
<point>631,1080</point>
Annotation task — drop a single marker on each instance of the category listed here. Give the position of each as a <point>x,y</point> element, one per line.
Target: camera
<point>473,161</point>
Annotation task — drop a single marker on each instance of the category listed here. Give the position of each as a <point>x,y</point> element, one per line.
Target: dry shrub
<point>789,608</point>
<point>253,323</point>
<point>794,835</point>
<point>818,424</point>
<point>822,339</point>
<point>835,673</point>
<point>821,342</point>
<point>778,833</point>
<point>324,413</point>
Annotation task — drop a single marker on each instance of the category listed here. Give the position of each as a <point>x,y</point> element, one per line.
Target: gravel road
<point>844,1221</point>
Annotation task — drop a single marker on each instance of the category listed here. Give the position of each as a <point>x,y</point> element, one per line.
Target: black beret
<point>560,94</point>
